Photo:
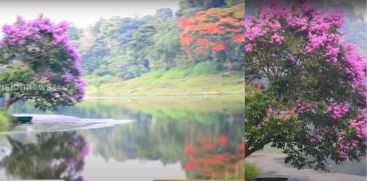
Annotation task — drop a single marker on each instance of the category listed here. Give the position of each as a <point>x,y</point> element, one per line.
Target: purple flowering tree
<point>39,63</point>
<point>313,104</point>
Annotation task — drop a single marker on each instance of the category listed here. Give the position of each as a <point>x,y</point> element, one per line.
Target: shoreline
<point>161,96</point>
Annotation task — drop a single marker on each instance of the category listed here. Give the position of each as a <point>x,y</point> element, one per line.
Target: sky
<point>81,12</point>
<point>361,10</point>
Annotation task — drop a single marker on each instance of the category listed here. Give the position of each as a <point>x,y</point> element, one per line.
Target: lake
<point>153,138</point>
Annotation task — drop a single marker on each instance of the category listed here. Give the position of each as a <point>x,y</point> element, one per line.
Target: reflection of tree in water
<point>214,159</point>
<point>163,137</point>
<point>58,155</point>
<point>162,128</point>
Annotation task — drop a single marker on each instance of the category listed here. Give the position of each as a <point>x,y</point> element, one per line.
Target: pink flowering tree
<point>39,63</point>
<point>313,104</point>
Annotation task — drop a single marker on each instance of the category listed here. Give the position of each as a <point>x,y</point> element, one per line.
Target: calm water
<point>170,138</point>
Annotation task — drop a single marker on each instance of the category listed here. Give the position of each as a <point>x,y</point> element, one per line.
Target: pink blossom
<point>248,48</point>
<point>337,110</point>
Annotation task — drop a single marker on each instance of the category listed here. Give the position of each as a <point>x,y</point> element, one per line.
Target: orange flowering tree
<point>217,30</point>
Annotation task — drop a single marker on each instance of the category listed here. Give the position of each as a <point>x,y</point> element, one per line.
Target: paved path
<point>270,166</point>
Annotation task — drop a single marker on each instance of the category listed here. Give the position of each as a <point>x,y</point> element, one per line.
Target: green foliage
<point>174,81</point>
<point>108,40</point>
<point>207,68</point>
<point>251,172</point>
<point>166,50</point>
<point>131,47</point>
<point>75,32</point>
<point>128,48</point>
<point>164,13</point>
<point>6,120</point>
<point>190,7</point>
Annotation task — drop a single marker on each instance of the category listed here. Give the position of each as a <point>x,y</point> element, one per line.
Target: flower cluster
<point>345,144</point>
<point>355,66</point>
<point>337,111</point>
<point>349,143</point>
<point>23,32</point>
<point>302,107</point>
<point>303,18</point>
<point>311,138</point>
<point>277,22</point>
<point>278,114</point>
<point>360,125</point>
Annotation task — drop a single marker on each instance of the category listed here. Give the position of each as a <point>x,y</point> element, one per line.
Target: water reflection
<point>203,136</point>
<point>214,160</point>
<point>204,149</point>
<point>58,155</point>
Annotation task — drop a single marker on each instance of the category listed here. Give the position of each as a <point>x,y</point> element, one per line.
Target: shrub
<point>207,68</point>
<point>251,172</point>
<point>5,120</point>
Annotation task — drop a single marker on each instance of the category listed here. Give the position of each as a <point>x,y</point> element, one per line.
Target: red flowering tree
<point>216,29</point>
<point>313,105</point>
<point>39,63</point>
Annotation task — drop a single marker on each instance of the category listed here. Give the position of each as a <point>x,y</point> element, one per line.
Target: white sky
<point>81,13</point>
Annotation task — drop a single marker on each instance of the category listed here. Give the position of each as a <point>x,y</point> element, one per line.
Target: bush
<point>251,172</point>
<point>204,68</point>
<point>5,120</point>
<point>177,72</point>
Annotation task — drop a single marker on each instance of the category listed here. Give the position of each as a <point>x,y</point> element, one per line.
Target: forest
<point>185,42</point>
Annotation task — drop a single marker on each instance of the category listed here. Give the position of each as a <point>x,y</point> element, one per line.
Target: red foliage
<point>202,49</point>
<point>184,22</point>
<point>239,38</point>
<point>223,140</point>
<point>241,147</point>
<point>190,149</point>
<point>219,46</point>
<point>228,20</point>
<point>203,41</point>
<point>211,159</point>
<point>190,166</point>
<point>213,26</point>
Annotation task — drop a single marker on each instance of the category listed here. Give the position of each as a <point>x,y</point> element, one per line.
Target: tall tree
<point>216,29</point>
<point>314,105</point>
<point>166,49</point>
<point>40,63</point>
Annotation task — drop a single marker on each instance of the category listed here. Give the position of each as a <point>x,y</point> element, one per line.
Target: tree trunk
<point>8,103</point>
<point>189,55</point>
<point>248,152</point>
<point>229,57</point>
<point>256,147</point>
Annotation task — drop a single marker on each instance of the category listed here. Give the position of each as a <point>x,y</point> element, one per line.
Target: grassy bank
<point>5,120</point>
<point>176,81</point>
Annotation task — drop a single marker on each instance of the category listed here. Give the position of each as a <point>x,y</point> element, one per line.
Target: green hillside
<point>176,81</point>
